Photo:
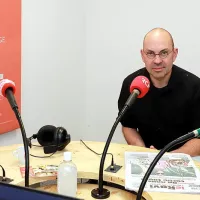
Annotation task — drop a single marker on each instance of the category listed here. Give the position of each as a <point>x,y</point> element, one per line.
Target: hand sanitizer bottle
<point>67,176</point>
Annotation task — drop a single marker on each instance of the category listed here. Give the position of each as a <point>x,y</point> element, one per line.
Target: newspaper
<point>175,172</point>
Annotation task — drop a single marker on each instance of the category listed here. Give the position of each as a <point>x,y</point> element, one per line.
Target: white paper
<point>175,172</point>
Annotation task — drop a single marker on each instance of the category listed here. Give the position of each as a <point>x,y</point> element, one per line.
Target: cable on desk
<point>42,156</point>
<point>112,162</point>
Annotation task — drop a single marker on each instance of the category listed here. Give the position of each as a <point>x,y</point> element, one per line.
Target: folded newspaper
<point>175,172</point>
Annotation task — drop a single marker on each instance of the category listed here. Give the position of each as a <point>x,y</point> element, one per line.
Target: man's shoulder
<point>186,76</point>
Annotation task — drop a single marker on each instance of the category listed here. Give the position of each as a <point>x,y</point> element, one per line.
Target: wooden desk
<point>88,167</point>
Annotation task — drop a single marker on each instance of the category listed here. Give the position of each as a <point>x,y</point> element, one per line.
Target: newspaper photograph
<point>174,172</point>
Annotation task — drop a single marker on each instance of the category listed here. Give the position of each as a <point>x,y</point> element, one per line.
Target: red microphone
<point>138,89</point>
<point>142,84</point>
<point>7,89</point>
<point>5,84</point>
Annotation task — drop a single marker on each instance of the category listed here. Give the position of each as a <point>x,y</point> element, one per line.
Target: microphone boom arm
<point>12,101</point>
<point>179,140</point>
<point>100,192</point>
<point>139,87</point>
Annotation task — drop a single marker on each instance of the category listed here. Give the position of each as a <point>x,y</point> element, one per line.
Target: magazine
<point>174,172</point>
<point>41,171</point>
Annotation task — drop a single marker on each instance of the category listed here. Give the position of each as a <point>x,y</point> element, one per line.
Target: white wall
<point>53,67</point>
<point>75,55</point>
<point>115,31</point>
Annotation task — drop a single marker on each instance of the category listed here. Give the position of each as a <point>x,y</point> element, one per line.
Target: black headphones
<point>52,139</point>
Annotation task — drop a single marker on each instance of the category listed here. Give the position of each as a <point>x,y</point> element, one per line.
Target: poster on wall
<point>10,59</point>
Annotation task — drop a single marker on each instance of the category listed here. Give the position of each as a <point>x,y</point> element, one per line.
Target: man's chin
<point>158,75</point>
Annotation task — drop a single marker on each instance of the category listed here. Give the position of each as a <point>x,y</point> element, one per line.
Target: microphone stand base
<point>6,180</point>
<point>95,193</point>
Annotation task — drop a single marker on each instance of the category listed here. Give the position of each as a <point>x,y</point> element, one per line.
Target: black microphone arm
<point>179,140</point>
<point>100,192</point>
<point>13,104</point>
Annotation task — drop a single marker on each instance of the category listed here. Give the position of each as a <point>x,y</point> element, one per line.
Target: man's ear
<point>142,54</point>
<point>175,53</point>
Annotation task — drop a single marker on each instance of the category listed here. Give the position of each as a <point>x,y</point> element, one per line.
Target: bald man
<point>171,108</point>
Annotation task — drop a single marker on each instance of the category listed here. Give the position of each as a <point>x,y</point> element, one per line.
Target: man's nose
<point>157,59</point>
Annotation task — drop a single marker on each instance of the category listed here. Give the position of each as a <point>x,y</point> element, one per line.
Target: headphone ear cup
<point>57,137</point>
<point>45,135</point>
<point>61,138</point>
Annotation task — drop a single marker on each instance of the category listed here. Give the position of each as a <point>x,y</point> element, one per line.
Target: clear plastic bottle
<point>67,176</point>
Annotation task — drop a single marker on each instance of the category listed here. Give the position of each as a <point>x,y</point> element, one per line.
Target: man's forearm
<point>132,137</point>
<point>192,147</point>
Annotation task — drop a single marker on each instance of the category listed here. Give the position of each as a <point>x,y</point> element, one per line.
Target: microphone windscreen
<point>4,85</point>
<point>142,84</point>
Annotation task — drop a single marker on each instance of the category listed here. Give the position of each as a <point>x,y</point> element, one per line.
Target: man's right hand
<point>132,137</point>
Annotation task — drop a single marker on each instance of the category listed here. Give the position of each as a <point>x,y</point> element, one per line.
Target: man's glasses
<point>162,54</point>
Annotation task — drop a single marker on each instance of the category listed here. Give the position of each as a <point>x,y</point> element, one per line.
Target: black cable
<point>43,156</point>
<point>99,154</point>
<point>34,136</point>
<point>4,173</point>
<point>51,145</point>
<point>112,164</point>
